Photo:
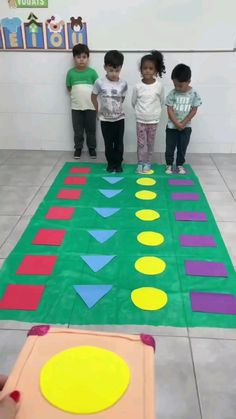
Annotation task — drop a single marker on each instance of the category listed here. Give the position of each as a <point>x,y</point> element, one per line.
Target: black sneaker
<point>77,153</point>
<point>110,169</point>
<point>119,169</point>
<point>92,153</point>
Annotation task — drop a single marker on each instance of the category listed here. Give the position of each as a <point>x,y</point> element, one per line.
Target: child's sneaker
<point>181,170</point>
<point>139,168</point>
<point>169,170</point>
<point>146,168</point>
<point>77,153</point>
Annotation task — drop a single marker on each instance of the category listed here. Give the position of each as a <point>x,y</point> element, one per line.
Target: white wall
<point>35,112</point>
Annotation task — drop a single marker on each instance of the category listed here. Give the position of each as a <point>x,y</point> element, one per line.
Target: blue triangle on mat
<point>112,179</point>
<point>106,212</point>
<point>91,294</point>
<point>109,193</point>
<point>97,262</point>
<point>102,235</point>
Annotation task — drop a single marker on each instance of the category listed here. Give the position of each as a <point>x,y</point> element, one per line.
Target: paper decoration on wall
<point>77,32</point>
<point>33,33</point>
<point>28,3</point>
<point>55,33</point>
<point>51,35</point>
<point>12,33</point>
<point>91,294</point>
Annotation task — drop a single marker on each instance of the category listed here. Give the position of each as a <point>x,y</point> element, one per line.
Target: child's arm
<point>190,116</point>
<point>173,118</point>
<point>94,101</point>
<point>162,96</point>
<point>134,97</point>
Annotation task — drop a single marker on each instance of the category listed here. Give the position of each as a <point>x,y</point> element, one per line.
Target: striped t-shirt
<point>81,83</point>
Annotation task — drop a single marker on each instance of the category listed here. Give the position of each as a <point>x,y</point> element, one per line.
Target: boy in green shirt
<point>79,82</point>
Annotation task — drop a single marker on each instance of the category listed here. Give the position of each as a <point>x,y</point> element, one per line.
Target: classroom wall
<point>35,108</point>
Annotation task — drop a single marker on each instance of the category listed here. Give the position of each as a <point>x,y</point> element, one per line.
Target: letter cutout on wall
<point>55,33</point>
<point>77,32</point>
<point>12,31</point>
<point>33,33</point>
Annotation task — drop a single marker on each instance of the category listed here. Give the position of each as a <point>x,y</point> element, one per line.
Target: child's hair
<point>114,58</point>
<point>158,60</point>
<point>182,73</point>
<point>80,49</point>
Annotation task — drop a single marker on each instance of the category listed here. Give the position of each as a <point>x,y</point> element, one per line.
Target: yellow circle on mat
<point>84,379</point>
<point>150,238</point>
<point>146,195</point>
<point>147,215</point>
<point>149,298</point>
<point>146,181</point>
<point>150,172</point>
<point>150,265</point>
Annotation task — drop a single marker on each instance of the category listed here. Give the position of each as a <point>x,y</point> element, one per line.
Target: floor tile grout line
<point>195,377</point>
<point>12,229</point>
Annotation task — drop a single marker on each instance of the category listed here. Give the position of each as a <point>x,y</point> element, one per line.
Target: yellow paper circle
<point>147,215</point>
<point>150,172</point>
<point>84,379</point>
<point>146,181</point>
<point>150,265</point>
<point>150,238</point>
<point>149,298</point>
<point>146,195</point>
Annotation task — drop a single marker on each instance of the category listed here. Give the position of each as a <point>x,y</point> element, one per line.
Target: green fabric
<point>61,304</point>
<point>87,76</point>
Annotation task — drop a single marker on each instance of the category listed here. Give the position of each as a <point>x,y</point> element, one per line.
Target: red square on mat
<point>75,180</point>
<point>21,297</point>
<point>69,194</point>
<point>37,265</point>
<point>49,237</point>
<point>81,170</point>
<point>60,213</point>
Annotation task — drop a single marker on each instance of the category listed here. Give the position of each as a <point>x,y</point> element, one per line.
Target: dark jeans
<point>84,121</point>
<point>177,139</point>
<point>113,133</point>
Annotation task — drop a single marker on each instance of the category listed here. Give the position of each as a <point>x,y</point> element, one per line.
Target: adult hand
<point>8,405</point>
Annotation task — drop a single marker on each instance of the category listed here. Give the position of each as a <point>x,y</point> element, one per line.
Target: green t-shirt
<point>81,83</point>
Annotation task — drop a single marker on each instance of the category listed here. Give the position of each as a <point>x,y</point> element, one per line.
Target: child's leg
<point>151,135</point>
<point>118,135</point>
<point>90,128</point>
<point>141,142</point>
<point>172,136</point>
<point>78,126</point>
<point>182,144</point>
<point>107,132</point>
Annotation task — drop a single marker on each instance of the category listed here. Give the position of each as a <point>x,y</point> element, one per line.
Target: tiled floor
<point>195,369</point>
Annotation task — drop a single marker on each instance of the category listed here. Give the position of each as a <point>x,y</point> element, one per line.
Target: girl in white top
<point>147,100</point>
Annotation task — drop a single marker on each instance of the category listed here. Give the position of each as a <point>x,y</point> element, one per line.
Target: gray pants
<point>84,121</point>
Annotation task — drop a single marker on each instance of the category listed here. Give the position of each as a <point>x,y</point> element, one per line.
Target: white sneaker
<point>181,170</point>
<point>146,168</point>
<point>169,170</point>
<point>139,168</point>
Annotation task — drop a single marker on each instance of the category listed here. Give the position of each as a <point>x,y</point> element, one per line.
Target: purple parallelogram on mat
<point>190,216</point>
<point>202,268</point>
<point>197,241</point>
<point>185,196</point>
<point>181,182</point>
<point>207,302</point>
